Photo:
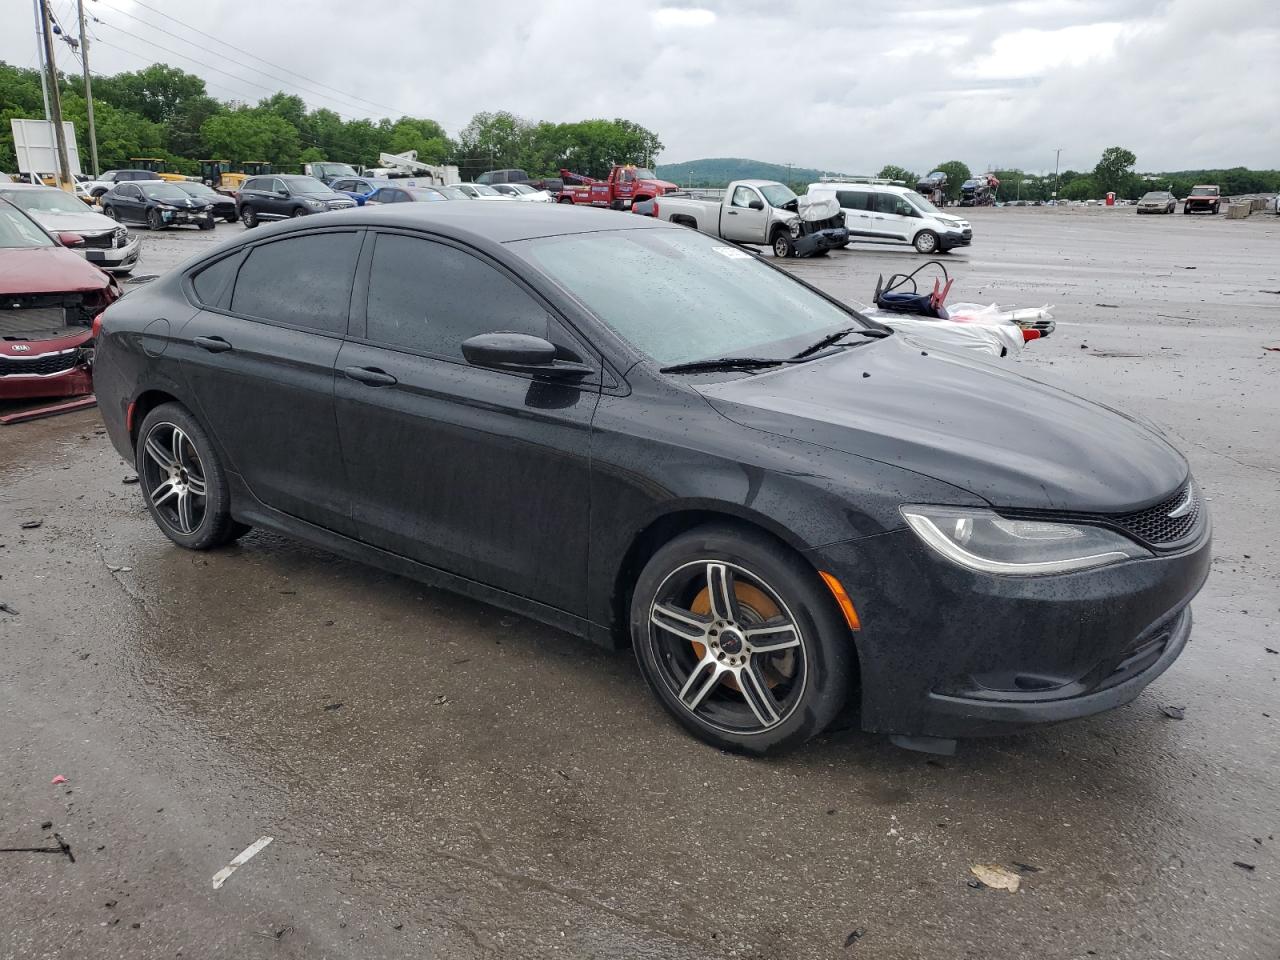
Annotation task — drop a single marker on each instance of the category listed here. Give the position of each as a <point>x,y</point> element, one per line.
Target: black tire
<point>1215,209</point>
<point>98,194</point>
<point>299,212</point>
<point>926,242</point>
<point>110,211</point>
<point>1186,209</point>
<point>822,655</point>
<point>206,224</point>
<point>230,217</point>
<point>192,464</point>
<point>153,220</point>
<point>783,246</point>
<point>249,217</point>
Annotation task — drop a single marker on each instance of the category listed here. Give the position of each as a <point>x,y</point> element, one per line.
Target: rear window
<point>210,282</point>
<point>300,281</point>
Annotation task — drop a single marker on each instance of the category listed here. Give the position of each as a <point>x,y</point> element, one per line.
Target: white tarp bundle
<point>818,208</point>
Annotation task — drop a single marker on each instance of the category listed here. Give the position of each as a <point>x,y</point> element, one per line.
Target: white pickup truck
<point>762,212</point>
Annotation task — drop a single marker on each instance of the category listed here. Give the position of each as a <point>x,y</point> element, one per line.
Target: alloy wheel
<point>727,647</point>
<point>174,478</point>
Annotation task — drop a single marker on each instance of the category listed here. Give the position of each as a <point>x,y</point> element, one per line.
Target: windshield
<point>920,203</point>
<point>680,296</point>
<point>19,230</point>
<point>1204,191</point>
<point>453,193</point>
<point>1155,195</point>
<point>162,191</point>
<point>334,169</point>
<point>520,188</point>
<point>305,185</point>
<point>45,201</point>
<point>421,193</point>
<point>196,189</point>
<point>485,191</point>
<point>777,194</point>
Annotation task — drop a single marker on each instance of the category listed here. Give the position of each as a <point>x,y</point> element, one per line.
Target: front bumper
<point>832,238</point>
<point>58,367</point>
<point>948,652</point>
<point>171,217</point>
<point>955,238</point>
<point>116,258</point>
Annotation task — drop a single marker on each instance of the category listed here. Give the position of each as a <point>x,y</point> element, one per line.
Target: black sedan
<point>224,207</point>
<point>157,203</point>
<point>644,435</point>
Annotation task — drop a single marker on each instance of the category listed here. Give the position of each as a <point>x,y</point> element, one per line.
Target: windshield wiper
<point>724,363</point>
<point>830,340</point>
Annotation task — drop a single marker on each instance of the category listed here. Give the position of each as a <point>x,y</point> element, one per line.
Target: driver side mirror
<point>71,239</point>
<point>282,194</point>
<point>755,205</point>
<point>521,353</point>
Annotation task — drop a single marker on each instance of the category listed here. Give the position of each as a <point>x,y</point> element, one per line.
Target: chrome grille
<point>40,366</point>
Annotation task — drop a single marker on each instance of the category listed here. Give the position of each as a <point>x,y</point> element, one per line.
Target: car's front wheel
<point>154,220</point>
<point>926,242</point>
<point>299,212</point>
<point>740,640</point>
<point>783,245</point>
<point>183,481</point>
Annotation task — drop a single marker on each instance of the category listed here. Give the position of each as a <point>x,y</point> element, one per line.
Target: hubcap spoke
<point>195,485</point>
<point>680,622</point>
<point>157,452</point>
<point>161,494</point>
<point>724,601</point>
<point>186,521</point>
<point>757,694</point>
<point>703,679</point>
<point>179,438</point>
<point>776,634</point>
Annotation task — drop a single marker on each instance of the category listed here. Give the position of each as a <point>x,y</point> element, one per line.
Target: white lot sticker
<point>733,253</point>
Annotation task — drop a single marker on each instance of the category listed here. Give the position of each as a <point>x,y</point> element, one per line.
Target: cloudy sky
<point>838,84</point>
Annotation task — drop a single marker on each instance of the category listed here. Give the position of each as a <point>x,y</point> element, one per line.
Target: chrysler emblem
<point>1182,509</point>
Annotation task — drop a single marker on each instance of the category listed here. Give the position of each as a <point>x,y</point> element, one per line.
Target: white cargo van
<point>888,213</point>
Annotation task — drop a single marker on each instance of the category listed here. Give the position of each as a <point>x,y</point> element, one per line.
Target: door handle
<point>212,344</point>
<point>370,375</point>
<point>733,213</point>
<point>879,218</point>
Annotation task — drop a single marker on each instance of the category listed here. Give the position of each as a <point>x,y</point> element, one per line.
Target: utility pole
<point>88,88</point>
<point>44,80</point>
<point>55,101</point>
<point>789,176</point>
<point>1056,157</point>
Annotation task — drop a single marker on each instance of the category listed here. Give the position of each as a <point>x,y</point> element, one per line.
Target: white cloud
<point>683,17</point>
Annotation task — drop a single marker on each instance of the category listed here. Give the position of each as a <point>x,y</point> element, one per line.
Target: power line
<point>253,56</point>
<point>345,101</point>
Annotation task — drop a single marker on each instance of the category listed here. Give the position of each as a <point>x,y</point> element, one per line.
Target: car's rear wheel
<point>249,217</point>
<point>183,481</point>
<point>926,242</point>
<point>740,641</point>
<point>110,211</point>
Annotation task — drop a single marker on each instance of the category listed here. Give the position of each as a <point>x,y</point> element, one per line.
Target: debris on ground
<point>995,876</point>
<point>333,706</point>
<point>854,937</point>
<point>440,700</point>
<point>1243,866</point>
<point>240,859</point>
<point>8,608</point>
<point>58,779</point>
<point>1109,306</point>
<point>1272,349</point>
<point>1269,650</point>
<point>1174,713</point>
<point>1025,867</point>
<point>31,524</point>
<point>130,479</point>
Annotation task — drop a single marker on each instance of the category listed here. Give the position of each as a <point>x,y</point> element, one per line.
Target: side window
<point>253,183</point>
<point>210,282</point>
<point>130,191</point>
<point>852,199</point>
<point>886,202</point>
<point>302,281</point>
<point>429,297</point>
<point>742,197</point>
<point>341,184</point>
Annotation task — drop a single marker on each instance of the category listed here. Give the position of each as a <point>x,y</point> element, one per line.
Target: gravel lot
<point>442,779</point>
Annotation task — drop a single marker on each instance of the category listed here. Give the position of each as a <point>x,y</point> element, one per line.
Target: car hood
<point>48,270</point>
<point>87,222</point>
<point>1013,441</point>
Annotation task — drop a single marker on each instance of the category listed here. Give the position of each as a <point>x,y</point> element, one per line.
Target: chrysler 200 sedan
<point>644,435</point>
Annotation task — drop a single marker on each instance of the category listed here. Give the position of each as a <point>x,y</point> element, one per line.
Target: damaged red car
<point>48,300</point>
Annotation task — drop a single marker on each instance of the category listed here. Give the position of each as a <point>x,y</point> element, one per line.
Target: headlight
<point>166,206</point>
<point>207,206</point>
<point>985,541</point>
<point>310,202</point>
<point>795,229</point>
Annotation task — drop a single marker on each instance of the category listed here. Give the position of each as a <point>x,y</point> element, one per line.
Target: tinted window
<point>210,282</point>
<point>252,184</point>
<point>303,281</point>
<point>430,297</point>
<point>853,199</point>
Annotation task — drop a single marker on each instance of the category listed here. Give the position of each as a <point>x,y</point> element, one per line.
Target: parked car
<point>642,435</point>
<point>224,207</point>
<point>1157,201</point>
<point>98,187</point>
<point>892,214</point>
<point>49,297</point>
<point>157,203</point>
<point>398,194</point>
<point>359,188</point>
<point>106,243</point>
<point>522,191</point>
<point>1203,199</point>
<point>478,191</point>
<point>326,173</point>
<point>491,177</point>
<point>762,212</point>
<point>279,197</point>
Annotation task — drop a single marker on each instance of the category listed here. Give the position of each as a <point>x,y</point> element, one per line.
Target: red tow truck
<point>627,184</point>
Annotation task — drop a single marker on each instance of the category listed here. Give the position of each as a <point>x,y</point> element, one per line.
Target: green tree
<point>957,173</point>
<point>1115,170</point>
<point>156,92</point>
<point>1081,188</point>
<point>251,134</point>
<point>491,141</point>
<point>892,172</point>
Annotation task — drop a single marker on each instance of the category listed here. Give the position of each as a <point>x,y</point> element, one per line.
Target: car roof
<point>493,222</point>
<point>855,185</point>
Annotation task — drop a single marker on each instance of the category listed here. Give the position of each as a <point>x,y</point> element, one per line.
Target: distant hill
<point>718,171</point>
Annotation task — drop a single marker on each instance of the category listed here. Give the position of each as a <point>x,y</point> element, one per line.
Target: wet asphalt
<point>443,779</point>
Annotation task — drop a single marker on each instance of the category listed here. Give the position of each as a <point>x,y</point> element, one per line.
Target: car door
<point>129,203</point>
<point>745,217</point>
<point>856,205</point>
<point>259,360</point>
<point>887,221</point>
<point>482,473</point>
